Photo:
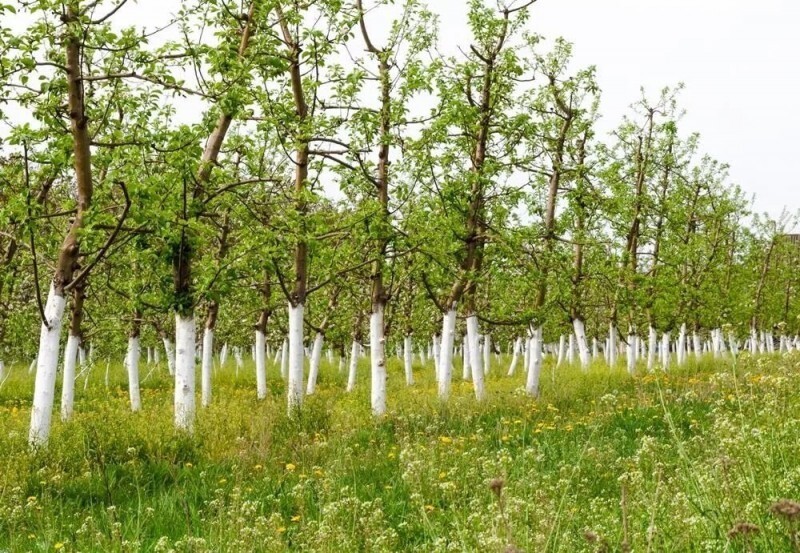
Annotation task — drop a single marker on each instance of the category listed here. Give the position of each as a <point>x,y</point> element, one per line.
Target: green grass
<point>601,462</point>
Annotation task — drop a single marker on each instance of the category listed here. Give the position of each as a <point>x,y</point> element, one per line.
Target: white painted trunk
<point>475,360</point>
<point>408,360</point>
<point>595,349</point>
<point>612,345</point>
<point>284,353</point>
<point>68,380</point>
<point>562,350</point>
<point>465,355</point>
<point>571,349</point>
<point>261,365</point>
<point>535,369</point>
<point>149,355</point>
<point>207,366</point>
<point>46,366</point>
<point>515,359</point>
<point>753,341</point>
<point>223,354</point>
<point>652,341</point>
<point>665,350</point>
<point>631,351</point>
<point>316,358</point>
<point>351,376</point>
<point>377,355</point>
<point>526,361</point>
<point>81,354</point>
<point>170,353</point>
<point>184,372</point>
<point>446,353</point>
<point>2,371</point>
<point>296,358</point>
<point>487,353</point>
<point>733,345</point>
<point>436,352</point>
<point>681,347</point>
<point>583,346</point>
<point>132,362</point>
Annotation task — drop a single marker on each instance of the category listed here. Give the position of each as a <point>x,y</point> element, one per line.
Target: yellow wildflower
<point>290,467</point>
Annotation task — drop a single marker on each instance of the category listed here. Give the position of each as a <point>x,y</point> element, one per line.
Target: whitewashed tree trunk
<point>132,362</point>
<point>377,354</point>
<point>535,369</point>
<point>465,356</point>
<point>149,355</point>
<point>46,366</point>
<point>515,358</point>
<point>652,341</point>
<point>81,354</point>
<point>583,346</point>
<point>296,358</point>
<point>351,376</point>
<point>631,351</point>
<point>184,372</point>
<point>408,354</point>
<point>260,351</point>
<point>487,353</point>
<point>753,341</point>
<point>526,361</point>
<point>169,351</point>
<point>2,371</point>
<point>284,360</point>
<point>436,353</point>
<point>223,355</point>
<point>665,350</point>
<point>595,349</point>
<point>612,345</point>
<point>681,346</point>
<point>446,353</point>
<point>571,349</point>
<point>68,380</point>
<point>316,358</point>
<point>562,350</point>
<point>475,360</point>
<point>206,367</point>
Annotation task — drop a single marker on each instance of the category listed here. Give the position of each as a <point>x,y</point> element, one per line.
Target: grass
<point>601,462</point>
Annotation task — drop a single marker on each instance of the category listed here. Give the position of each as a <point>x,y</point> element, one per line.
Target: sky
<point>739,61</point>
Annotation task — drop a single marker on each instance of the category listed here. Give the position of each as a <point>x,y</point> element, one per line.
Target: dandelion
<point>290,467</point>
<point>446,439</point>
<point>296,518</point>
<point>281,529</point>
<point>188,465</point>
<point>58,546</point>
<point>429,508</point>
<point>257,467</point>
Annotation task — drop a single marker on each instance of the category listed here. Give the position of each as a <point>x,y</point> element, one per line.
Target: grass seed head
<point>786,509</point>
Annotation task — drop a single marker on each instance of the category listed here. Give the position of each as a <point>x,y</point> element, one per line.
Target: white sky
<point>739,60</point>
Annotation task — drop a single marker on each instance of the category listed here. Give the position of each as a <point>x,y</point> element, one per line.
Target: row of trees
<point>239,158</point>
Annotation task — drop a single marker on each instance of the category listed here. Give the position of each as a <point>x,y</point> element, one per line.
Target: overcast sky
<point>740,62</point>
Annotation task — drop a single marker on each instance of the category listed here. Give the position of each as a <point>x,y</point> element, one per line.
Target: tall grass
<point>690,460</point>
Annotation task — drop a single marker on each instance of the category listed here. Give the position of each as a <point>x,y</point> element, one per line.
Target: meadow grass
<point>694,459</point>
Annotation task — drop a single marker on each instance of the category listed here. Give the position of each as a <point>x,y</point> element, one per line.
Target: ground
<point>694,459</point>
